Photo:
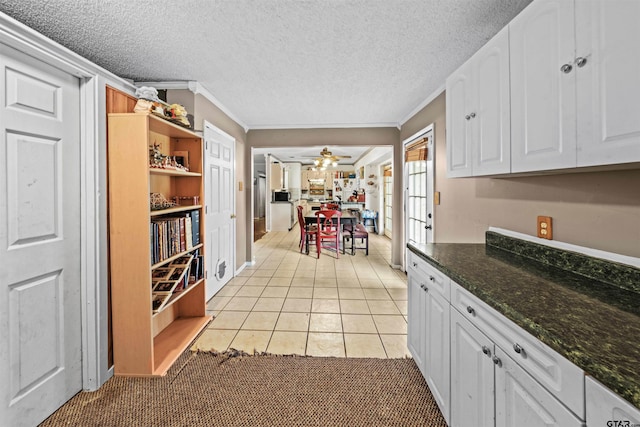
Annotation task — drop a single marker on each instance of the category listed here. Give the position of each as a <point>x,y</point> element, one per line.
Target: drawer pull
<point>415,265</point>
<point>497,361</point>
<point>470,310</point>
<point>486,350</point>
<point>517,348</point>
<point>433,279</point>
<point>423,286</point>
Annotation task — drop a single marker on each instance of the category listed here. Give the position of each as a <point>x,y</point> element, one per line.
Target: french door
<point>419,187</point>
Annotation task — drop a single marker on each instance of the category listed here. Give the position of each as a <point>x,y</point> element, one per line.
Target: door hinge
<point>206,274</point>
<point>206,145</point>
<point>206,209</point>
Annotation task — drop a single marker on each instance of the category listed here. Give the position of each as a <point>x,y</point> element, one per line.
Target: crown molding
<point>423,104</point>
<point>197,89</point>
<point>326,126</point>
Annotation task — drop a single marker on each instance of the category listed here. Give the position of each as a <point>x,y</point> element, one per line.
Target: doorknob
<point>233,216</point>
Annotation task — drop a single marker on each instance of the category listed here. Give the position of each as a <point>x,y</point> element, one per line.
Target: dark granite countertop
<point>594,324</point>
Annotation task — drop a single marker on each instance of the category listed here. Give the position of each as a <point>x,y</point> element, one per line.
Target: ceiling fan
<point>327,158</point>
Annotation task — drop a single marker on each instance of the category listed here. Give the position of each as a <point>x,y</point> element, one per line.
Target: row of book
<point>173,235</point>
<point>175,277</point>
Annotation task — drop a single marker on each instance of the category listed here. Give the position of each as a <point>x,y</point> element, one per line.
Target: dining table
<point>345,219</point>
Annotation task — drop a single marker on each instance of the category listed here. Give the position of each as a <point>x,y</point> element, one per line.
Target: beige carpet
<point>204,389</point>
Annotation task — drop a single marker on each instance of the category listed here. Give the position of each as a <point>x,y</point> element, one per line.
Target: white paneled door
<point>40,323</point>
<point>220,220</point>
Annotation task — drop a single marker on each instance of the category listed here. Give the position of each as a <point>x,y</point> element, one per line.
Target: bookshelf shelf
<point>179,294</point>
<point>175,210</point>
<point>147,343</point>
<point>172,172</point>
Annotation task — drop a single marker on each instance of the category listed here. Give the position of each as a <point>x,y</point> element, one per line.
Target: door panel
<point>40,335</point>
<point>220,208</point>
<point>543,102</point>
<point>521,401</point>
<point>472,382</point>
<point>608,37</point>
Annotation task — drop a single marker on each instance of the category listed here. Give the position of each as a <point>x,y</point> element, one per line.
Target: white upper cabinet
<point>458,130</point>
<point>478,114</point>
<point>563,94</point>
<point>543,79</point>
<point>608,85</point>
<point>491,126</point>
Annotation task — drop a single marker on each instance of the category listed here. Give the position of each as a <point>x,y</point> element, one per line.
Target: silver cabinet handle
<point>566,68</point>
<point>497,361</point>
<point>517,348</point>
<point>471,310</point>
<point>581,61</point>
<point>468,117</point>
<point>486,350</point>
<point>472,115</point>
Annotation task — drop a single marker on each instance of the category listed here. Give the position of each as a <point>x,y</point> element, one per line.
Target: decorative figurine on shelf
<point>178,114</point>
<point>156,158</point>
<point>157,202</point>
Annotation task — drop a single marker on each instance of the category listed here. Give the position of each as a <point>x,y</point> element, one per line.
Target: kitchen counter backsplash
<point>616,274</point>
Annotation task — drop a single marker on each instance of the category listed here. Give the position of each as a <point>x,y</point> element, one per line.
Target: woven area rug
<point>205,389</point>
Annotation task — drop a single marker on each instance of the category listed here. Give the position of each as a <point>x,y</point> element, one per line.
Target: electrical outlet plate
<point>545,230</point>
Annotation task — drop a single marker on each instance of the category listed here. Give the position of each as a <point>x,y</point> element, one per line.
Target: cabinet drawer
<point>429,276</point>
<point>558,375</point>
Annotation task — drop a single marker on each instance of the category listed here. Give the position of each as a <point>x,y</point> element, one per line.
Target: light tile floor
<point>293,303</point>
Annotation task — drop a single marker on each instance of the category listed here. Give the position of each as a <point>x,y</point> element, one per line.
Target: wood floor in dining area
<point>293,303</point>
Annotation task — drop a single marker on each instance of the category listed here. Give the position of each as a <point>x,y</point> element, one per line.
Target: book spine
<point>195,226</point>
<point>188,233</point>
<point>183,243</point>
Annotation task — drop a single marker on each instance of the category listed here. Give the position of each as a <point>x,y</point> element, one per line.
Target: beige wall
<point>600,210</point>
<point>202,109</point>
<point>342,136</point>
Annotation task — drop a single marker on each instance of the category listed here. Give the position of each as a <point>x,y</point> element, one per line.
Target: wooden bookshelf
<point>147,343</point>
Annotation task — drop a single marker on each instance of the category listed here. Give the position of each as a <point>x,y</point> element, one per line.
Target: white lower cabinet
<point>558,375</point>
<point>484,370</point>
<point>472,378</point>
<point>521,401</point>
<point>605,408</point>
<point>489,389</point>
<point>428,330</point>
<point>416,313</point>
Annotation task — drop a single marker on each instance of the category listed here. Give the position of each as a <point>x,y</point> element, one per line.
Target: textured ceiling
<point>281,63</point>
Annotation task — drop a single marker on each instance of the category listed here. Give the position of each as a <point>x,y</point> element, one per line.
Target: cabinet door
<point>416,320</point>
<point>437,353</point>
<point>523,402</point>
<point>608,39</point>
<point>458,119</point>
<point>276,176</point>
<point>606,408</point>
<point>543,97</point>
<point>491,125</point>
<point>472,383</point>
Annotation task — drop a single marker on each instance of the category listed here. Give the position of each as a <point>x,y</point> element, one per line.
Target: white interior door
<point>220,205</point>
<point>40,310</point>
